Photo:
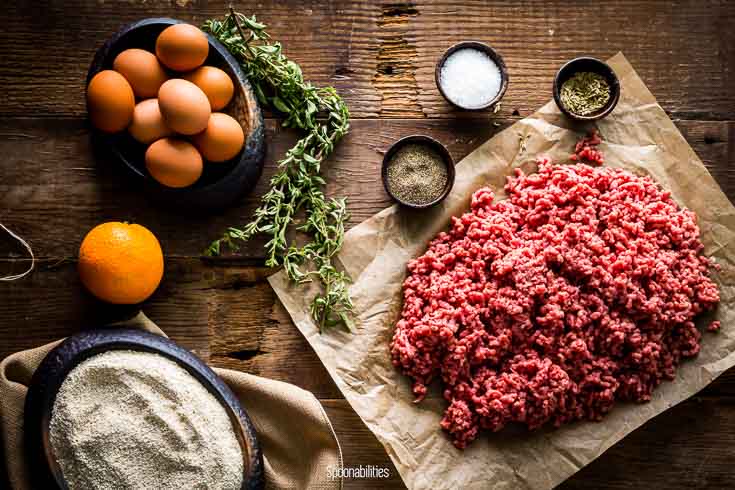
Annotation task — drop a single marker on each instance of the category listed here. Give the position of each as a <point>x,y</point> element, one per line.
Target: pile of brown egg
<point>176,102</point>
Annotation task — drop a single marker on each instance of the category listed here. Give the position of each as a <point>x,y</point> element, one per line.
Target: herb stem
<point>239,28</point>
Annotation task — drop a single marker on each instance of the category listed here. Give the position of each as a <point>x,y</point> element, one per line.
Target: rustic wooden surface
<point>381,57</point>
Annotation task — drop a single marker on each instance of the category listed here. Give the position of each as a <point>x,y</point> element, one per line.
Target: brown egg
<point>148,125</point>
<point>173,162</point>
<point>215,83</point>
<point>110,101</point>
<point>142,70</point>
<point>184,106</point>
<point>222,140</point>
<point>182,47</point>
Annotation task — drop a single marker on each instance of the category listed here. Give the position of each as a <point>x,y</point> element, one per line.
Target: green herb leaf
<point>280,105</point>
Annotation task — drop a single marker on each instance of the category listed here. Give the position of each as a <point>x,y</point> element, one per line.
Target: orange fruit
<point>120,263</point>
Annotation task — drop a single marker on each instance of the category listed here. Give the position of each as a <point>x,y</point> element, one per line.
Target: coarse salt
<point>470,78</point>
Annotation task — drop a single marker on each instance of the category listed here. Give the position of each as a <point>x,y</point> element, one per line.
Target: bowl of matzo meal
<point>123,408</point>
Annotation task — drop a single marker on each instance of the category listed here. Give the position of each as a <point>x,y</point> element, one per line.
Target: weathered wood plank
<point>51,303</point>
<point>53,189</point>
<point>381,55</point>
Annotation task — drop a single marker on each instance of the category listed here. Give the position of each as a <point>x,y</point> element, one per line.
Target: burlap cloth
<point>298,442</point>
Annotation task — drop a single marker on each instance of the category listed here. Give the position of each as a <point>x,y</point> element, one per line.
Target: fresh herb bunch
<point>279,83</point>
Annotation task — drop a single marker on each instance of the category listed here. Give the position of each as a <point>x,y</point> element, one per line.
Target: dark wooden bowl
<point>504,77</point>
<point>591,65</point>
<point>54,368</point>
<point>419,139</point>
<point>221,184</point>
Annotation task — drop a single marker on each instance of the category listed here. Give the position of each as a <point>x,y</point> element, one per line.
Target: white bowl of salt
<point>471,76</point>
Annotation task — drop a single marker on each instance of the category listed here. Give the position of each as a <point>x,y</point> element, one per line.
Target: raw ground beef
<point>586,150</point>
<point>578,290</point>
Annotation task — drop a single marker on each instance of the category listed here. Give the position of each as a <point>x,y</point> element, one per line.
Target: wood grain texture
<point>51,303</point>
<point>54,189</point>
<point>689,446</point>
<point>381,55</point>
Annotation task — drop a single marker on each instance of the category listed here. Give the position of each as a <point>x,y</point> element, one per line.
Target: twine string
<point>15,277</point>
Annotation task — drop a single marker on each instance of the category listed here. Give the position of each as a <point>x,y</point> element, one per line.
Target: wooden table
<point>381,58</point>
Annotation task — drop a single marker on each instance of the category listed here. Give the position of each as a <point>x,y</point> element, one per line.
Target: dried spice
<point>417,174</point>
<point>585,93</point>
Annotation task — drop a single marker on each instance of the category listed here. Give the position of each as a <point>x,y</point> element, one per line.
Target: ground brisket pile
<point>586,150</point>
<point>578,290</point>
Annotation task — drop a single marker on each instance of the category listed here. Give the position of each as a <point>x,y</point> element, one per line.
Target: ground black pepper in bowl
<point>418,171</point>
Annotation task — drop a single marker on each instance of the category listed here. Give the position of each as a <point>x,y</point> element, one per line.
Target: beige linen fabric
<point>298,442</point>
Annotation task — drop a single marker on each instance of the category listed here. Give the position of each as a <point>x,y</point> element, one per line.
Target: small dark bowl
<point>57,364</point>
<point>222,183</point>
<point>504,77</point>
<point>591,65</point>
<point>431,143</point>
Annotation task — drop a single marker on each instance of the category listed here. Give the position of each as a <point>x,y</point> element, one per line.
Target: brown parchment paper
<point>637,136</point>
